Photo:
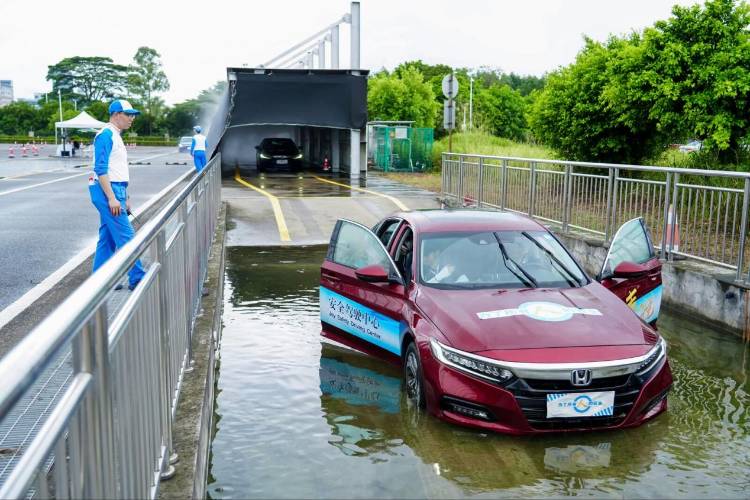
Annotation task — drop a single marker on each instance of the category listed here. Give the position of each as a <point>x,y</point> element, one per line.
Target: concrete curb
<point>194,418</point>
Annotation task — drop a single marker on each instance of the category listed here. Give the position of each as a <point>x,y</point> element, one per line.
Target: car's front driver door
<point>353,296</point>
<point>632,271</point>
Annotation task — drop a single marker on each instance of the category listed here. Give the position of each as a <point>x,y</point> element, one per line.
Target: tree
<point>18,118</point>
<point>87,79</point>
<point>147,78</point>
<point>501,111</point>
<point>572,116</point>
<point>404,96</point>
<point>690,77</point>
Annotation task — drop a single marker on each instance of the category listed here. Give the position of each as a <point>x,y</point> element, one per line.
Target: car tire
<point>413,378</point>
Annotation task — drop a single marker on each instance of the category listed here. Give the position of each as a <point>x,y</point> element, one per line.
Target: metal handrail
<point>715,217</point>
<point>81,323</point>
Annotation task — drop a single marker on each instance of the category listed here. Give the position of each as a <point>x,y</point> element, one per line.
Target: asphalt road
<point>46,216</point>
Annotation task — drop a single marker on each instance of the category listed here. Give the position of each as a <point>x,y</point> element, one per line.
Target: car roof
<point>455,220</point>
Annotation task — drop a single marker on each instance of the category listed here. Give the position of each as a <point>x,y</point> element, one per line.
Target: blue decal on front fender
<point>359,320</point>
<point>648,306</point>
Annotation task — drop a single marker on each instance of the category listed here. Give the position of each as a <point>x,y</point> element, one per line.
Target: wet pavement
<point>297,416</point>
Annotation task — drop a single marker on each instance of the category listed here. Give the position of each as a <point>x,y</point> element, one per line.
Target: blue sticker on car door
<point>361,321</point>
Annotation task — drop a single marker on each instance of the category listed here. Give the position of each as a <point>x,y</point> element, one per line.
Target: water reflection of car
<point>496,326</point>
<point>690,147</point>
<point>277,153</point>
<point>184,145</point>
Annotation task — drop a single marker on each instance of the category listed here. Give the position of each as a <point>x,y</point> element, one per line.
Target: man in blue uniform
<point>198,148</point>
<point>108,187</point>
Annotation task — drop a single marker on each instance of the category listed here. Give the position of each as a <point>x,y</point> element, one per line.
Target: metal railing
<point>687,212</point>
<point>109,433</point>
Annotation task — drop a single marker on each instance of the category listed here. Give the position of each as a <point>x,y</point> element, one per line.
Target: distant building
<point>6,92</point>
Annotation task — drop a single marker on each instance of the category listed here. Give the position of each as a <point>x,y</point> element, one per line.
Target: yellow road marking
<point>280,222</point>
<point>394,200</point>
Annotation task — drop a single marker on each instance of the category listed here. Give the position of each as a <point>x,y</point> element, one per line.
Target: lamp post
<point>59,103</point>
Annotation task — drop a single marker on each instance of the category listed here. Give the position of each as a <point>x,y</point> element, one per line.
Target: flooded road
<point>298,417</point>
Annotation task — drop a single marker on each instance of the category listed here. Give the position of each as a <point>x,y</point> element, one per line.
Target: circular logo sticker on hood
<point>545,311</point>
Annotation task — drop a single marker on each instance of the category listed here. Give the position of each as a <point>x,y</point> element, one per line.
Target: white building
<point>6,92</point>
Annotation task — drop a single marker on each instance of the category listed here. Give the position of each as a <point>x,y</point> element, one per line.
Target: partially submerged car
<point>496,326</point>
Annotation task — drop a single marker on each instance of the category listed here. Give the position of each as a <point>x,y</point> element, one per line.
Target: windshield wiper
<point>529,280</point>
<point>554,258</point>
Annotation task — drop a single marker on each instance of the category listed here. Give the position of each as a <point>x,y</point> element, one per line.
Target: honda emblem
<point>580,378</point>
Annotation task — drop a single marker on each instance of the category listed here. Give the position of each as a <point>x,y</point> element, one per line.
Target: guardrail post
<point>566,197</point>
<point>743,230</point>
<point>102,387</point>
<point>665,224</point>
<point>186,268</point>
<point>504,187</point>
<point>460,180</point>
<point>532,188</point>
<point>164,352</point>
<point>676,180</point>
<point>610,204</point>
<point>480,183</point>
<point>443,174</point>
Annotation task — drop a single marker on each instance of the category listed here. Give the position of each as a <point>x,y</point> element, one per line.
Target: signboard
<point>450,86</point>
<point>449,114</point>
<point>402,133</point>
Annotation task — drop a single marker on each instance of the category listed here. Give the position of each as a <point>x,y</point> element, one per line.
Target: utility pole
<point>471,102</point>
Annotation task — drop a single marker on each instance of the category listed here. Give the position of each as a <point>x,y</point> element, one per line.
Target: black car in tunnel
<point>278,153</point>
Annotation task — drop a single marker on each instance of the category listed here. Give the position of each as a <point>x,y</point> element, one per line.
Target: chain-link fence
<point>399,148</point>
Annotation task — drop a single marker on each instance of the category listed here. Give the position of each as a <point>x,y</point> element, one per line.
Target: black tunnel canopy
<point>317,98</point>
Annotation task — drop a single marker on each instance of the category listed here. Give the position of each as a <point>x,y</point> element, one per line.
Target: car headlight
<point>658,352</point>
<point>298,157</point>
<point>265,157</point>
<point>470,363</point>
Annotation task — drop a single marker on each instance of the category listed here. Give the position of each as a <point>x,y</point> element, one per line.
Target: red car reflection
<point>495,324</point>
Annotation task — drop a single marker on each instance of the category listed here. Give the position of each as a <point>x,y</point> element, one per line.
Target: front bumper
<point>519,407</point>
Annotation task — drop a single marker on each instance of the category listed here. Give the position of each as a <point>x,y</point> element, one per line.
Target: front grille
<point>531,395</point>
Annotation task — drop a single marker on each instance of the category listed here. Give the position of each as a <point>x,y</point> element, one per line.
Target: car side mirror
<point>629,270</point>
<point>374,273</point>
<point>257,147</point>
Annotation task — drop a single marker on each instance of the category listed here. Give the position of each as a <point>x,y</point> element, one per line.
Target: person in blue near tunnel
<point>198,148</point>
<point>108,187</point>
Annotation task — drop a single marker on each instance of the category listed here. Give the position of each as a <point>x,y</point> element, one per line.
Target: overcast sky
<point>198,40</point>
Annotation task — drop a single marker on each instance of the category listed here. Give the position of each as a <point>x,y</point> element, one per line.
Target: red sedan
<point>496,325</point>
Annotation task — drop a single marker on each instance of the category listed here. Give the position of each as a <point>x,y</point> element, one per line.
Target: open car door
<point>361,289</point>
<point>632,271</point>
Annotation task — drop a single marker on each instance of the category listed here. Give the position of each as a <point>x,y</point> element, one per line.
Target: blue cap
<point>198,129</point>
<point>122,106</point>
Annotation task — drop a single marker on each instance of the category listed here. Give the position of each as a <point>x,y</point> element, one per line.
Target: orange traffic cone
<point>326,164</point>
<point>24,151</point>
<point>673,229</point>
<point>11,151</point>
<point>34,150</point>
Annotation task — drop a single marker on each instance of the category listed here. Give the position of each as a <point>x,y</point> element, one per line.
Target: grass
<point>485,144</point>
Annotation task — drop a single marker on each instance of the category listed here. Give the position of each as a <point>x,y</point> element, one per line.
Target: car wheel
<point>413,379</point>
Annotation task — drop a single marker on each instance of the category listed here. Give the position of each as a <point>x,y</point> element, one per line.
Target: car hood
<point>532,318</point>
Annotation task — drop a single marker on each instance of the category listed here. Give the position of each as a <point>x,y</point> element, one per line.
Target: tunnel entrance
<point>322,111</point>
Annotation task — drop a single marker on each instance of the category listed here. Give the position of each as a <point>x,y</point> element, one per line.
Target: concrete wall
<point>703,292</point>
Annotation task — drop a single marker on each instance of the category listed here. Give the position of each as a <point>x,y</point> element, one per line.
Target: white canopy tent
<point>82,121</point>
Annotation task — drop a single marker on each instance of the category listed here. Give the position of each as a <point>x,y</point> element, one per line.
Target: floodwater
<point>299,417</point>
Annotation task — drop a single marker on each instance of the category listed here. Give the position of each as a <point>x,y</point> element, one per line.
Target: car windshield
<point>502,259</point>
<point>186,140</point>
<point>279,146</point>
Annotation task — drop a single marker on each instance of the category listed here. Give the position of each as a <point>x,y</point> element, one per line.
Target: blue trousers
<point>114,232</point>
<point>199,157</point>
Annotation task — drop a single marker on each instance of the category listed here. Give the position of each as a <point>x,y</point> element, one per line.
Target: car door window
<point>356,246</point>
<point>630,244</point>
<point>404,254</point>
<point>386,230</point>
